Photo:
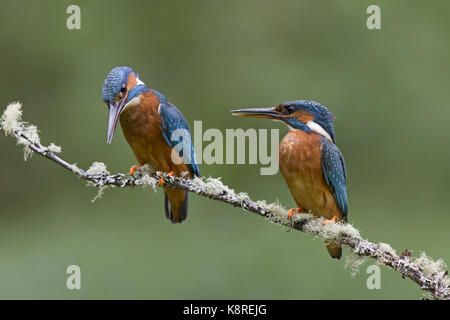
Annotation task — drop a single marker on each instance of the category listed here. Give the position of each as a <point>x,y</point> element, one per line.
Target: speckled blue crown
<point>113,83</point>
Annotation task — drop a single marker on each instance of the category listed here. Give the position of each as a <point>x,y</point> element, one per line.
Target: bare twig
<point>430,275</point>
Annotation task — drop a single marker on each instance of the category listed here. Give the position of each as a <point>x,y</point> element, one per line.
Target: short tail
<point>176,205</point>
<point>334,249</point>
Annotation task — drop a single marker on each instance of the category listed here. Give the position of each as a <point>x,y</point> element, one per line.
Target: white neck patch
<point>132,103</point>
<point>139,81</point>
<point>314,126</point>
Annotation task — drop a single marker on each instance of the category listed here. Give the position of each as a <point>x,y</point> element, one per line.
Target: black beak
<point>114,113</point>
<point>263,113</point>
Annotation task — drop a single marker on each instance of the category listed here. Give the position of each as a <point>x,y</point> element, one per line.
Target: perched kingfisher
<point>310,161</point>
<point>156,131</point>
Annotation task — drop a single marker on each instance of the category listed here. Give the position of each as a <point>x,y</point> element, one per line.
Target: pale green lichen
<point>11,119</point>
<point>147,181</point>
<point>429,266</point>
<point>331,231</point>
<point>242,196</point>
<point>101,190</point>
<point>446,281</point>
<point>31,132</point>
<point>97,168</point>
<point>384,247</point>
<point>354,263</point>
<point>274,207</point>
<point>145,177</point>
<point>12,124</point>
<point>279,213</point>
<point>54,148</point>
<point>74,168</point>
<point>215,187</point>
<point>145,169</point>
<point>434,269</point>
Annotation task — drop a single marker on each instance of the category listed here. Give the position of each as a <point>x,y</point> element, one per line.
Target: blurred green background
<point>387,88</point>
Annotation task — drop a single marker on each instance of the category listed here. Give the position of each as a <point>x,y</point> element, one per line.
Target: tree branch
<point>431,276</point>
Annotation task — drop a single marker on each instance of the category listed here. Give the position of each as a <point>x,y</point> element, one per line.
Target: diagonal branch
<point>430,275</point>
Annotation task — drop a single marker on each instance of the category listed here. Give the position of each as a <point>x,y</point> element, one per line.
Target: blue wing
<point>174,126</point>
<point>335,173</point>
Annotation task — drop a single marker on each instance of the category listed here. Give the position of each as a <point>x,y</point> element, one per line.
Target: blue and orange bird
<point>310,161</point>
<point>153,127</point>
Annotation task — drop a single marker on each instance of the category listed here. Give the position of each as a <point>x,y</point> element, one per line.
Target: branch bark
<point>430,275</point>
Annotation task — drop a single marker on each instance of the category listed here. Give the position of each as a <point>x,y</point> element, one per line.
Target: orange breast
<point>301,166</point>
<point>141,126</point>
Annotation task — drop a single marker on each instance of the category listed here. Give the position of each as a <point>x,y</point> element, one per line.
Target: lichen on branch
<point>430,275</point>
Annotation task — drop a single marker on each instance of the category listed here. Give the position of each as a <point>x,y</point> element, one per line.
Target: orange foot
<point>297,210</point>
<point>161,180</point>
<point>332,220</point>
<point>133,169</point>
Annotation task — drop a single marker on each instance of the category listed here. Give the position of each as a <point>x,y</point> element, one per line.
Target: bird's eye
<point>123,89</point>
<point>289,109</point>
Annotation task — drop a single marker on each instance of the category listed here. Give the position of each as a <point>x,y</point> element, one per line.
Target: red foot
<point>133,169</point>
<point>332,220</point>
<point>296,210</point>
<point>171,173</point>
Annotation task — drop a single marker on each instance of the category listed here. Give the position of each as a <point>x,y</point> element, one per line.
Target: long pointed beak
<point>114,113</point>
<point>263,113</point>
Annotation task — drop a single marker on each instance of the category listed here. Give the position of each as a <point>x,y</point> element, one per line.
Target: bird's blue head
<point>305,115</point>
<point>116,93</point>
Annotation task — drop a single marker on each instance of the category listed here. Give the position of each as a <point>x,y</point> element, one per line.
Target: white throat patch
<point>132,103</point>
<point>314,126</point>
<point>139,81</point>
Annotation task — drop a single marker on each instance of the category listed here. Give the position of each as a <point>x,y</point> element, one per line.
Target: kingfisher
<point>310,162</point>
<point>156,131</point>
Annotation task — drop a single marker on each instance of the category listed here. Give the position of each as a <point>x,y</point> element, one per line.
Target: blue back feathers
<point>335,173</point>
<point>174,126</point>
